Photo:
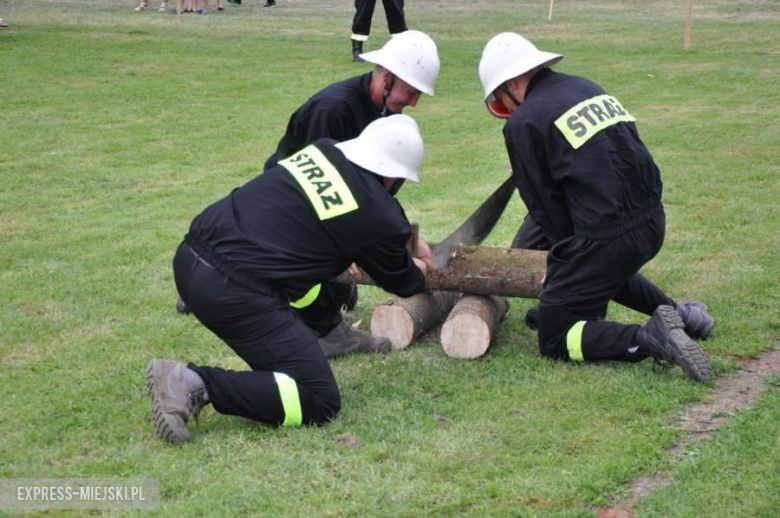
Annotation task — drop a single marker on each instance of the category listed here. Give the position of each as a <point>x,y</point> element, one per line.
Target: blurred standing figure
<point>361,23</point>
<point>144,5</point>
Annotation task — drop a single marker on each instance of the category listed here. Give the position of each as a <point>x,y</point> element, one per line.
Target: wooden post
<point>472,324</point>
<point>403,320</point>
<point>549,16</point>
<point>688,26</point>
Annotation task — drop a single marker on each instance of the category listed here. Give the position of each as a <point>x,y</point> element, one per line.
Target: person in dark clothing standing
<point>593,194</point>
<point>361,23</point>
<point>267,243</point>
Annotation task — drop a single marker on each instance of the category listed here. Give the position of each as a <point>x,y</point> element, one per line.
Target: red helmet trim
<point>497,109</point>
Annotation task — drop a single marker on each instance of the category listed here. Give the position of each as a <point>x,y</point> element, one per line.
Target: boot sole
<point>686,353</point>
<point>165,426</point>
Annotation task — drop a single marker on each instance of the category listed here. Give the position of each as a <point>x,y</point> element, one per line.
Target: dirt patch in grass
<point>733,393</point>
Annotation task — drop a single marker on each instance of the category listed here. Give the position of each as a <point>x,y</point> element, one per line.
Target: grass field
<point>118,127</point>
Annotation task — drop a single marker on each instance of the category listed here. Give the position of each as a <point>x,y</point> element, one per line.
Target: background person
<point>593,194</point>
<point>248,255</point>
<point>361,23</point>
<point>143,6</point>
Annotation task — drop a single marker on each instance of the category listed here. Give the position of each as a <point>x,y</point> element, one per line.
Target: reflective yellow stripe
<point>307,299</point>
<point>574,341</point>
<point>321,182</point>
<point>291,402</point>
<point>589,117</point>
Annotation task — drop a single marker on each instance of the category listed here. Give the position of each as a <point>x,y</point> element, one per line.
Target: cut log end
<point>393,323</point>
<point>466,337</point>
<point>471,326</point>
<point>403,320</point>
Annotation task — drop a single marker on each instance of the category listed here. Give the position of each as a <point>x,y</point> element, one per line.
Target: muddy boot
<point>345,339</point>
<point>176,393</point>
<point>698,323</point>
<point>664,339</point>
<point>357,50</point>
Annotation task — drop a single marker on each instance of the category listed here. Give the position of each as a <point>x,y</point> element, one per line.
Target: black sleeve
<point>390,265</point>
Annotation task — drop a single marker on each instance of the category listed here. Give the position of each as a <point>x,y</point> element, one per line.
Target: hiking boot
<point>172,402</point>
<point>532,318</point>
<point>698,323</point>
<point>664,338</point>
<point>182,308</point>
<point>345,339</point>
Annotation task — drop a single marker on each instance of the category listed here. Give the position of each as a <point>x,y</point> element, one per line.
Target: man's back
<point>340,112</point>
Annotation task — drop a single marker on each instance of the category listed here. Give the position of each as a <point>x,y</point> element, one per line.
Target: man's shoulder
<point>347,89</point>
<point>557,93</point>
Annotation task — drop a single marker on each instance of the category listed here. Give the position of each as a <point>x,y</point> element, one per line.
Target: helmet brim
<point>376,162</point>
<point>540,59</point>
<point>377,57</point>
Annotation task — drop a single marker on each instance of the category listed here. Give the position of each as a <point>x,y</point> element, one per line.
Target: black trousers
<point>263,330</point>
<point>583,276</point>
<point>364,11</point>
<point>324,313</point>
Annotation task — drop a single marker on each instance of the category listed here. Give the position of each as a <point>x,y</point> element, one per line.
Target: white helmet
<point>508,55</point>
<point>412,56</point>
<point>391,147</point>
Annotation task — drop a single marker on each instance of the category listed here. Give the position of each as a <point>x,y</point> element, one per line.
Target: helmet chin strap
<point>506,90</point>
<point>388,87</point>
<point>393,190</point>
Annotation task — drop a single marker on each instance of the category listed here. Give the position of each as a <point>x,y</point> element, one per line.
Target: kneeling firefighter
<point>593,194</point>
<point>247,256</point>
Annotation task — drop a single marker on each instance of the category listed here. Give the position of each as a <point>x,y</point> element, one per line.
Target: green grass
<point>117,128</point>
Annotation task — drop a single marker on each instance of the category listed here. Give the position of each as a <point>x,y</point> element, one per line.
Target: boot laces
<point>196,403</point>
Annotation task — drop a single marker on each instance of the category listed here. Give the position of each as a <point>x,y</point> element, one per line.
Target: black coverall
<point>341,112</point>
<point>248,255</point>
<point>593,194</point>
<point>364,11</point>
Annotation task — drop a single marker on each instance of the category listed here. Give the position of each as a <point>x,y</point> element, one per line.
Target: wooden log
<point>472,324</point>
<point>482,270</point>
<point>404,320</point>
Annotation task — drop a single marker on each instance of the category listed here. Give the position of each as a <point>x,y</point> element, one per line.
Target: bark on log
<point>482,270</point>
<point>472,324</point>
<point>403,320</point>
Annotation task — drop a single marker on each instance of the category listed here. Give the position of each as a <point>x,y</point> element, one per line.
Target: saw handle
<point>412,244</point>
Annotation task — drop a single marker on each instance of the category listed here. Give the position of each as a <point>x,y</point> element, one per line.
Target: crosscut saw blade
<point>476,227</point>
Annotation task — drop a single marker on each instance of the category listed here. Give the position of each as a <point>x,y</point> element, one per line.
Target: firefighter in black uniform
<point>593,194</point>
<point>361,23</point>
<point>267,243</point>
<point>406,67</point>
